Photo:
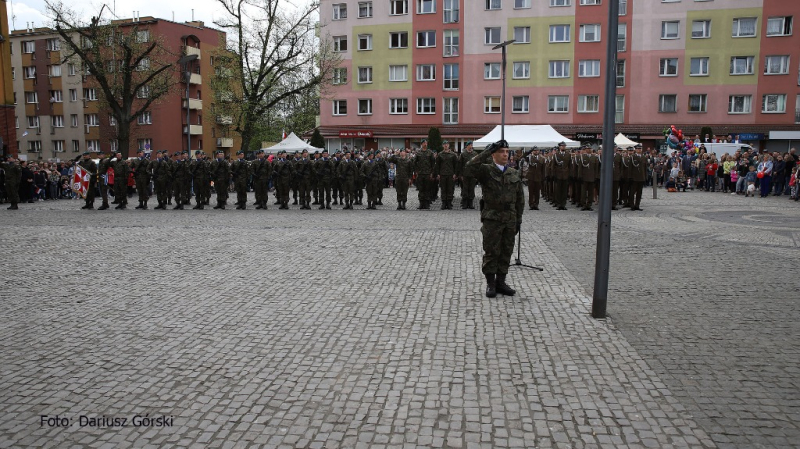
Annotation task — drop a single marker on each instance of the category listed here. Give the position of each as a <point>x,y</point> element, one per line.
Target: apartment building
<point>408,65</point>
<point>7,130</point>
<point>59,111</point>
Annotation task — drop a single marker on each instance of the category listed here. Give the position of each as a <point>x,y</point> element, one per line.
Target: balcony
<point>193,104</point>
<point>194,130</point>
<point>195,78</point>
<point>224,142</point>
<point>189,50</point>
<point>224,120</point>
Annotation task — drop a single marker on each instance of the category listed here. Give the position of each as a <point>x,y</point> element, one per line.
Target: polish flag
<point>80,181</point>
<point>284,135</point>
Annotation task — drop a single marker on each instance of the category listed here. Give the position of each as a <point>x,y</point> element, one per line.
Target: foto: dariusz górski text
<point>106,421</point>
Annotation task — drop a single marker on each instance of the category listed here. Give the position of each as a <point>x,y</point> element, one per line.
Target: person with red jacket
<point>711,174</point>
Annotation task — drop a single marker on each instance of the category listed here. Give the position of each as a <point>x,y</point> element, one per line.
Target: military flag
<point>80,181</point>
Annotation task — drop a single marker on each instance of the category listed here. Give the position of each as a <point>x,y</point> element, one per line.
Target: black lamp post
<point>503,95</point>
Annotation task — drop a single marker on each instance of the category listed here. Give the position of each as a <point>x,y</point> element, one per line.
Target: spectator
<point>727,167</point>
<point>742,168</point>
<point>752,179</point>
<point>26,184</point>
<point>711,173</point>
<point>778,172</point>
<point>765,170</point>
<point>700,167</point>
<point>680,182</point>
<point>793,184</point>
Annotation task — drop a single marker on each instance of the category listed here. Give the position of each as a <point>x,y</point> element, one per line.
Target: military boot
<point>264,205</point>
<point>144,205</point>
<point>321,206</point>
<point>327,205</point>
<point>13,206</point>
<point>139,206</point>
<point>490,286</point>
<point>177,206</point>
<point>103,207</point>
<point>503,288</point>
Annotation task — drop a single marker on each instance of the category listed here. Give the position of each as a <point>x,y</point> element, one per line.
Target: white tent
<point>526,136</point>
<point>290,144</point>
<point>623,142</point>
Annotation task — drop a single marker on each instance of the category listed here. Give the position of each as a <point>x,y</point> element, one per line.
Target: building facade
<point>7,130</point>
<point>408,65</point>
<point>59,111</point>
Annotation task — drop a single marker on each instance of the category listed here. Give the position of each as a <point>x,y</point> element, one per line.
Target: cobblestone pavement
<point>370,329</point>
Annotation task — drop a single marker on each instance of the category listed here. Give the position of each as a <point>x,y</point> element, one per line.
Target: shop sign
<point>355,134</point>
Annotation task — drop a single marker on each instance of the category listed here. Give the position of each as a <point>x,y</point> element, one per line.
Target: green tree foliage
<point>434,139</point>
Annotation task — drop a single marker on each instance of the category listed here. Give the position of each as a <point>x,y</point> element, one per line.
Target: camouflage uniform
<point>162,173</point>
<point>240,170</point>
<point>121,172</point>
<point>262,171</point>
<point>304,171</point>
<point>445,170</point>
<point>348,173</point>
<point>467,182</point>
<point>423,167</point>
<point>102,178</point>
<point>141,172</point>
<point>403,169</point>
<point>13,173</point>
<point>284,171</point>
<point>324,170</point>
<point>91,168</point>
<point>221,175</point>
<point>201,180</point>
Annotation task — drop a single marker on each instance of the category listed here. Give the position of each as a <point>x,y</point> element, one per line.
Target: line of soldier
<point>560,176</point>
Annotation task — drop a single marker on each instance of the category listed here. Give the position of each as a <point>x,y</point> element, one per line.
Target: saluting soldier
<point>535,177</point>
<point>88,164</point>
<point>638,177</point>
<point>348,173</point>
<point>102,178</point>
<point>162,172</point>
<point>13,175</point>
<point>284,172</point>
<point>324,170</point>
<point>559,164</point>
<point>336,184</point>
<point>501,213</point>
<point>587,173</point>
<point>424,163</point>
<point>467,182</point>
<point>221,175</point>
<point>241,174</point>
<point>402,178</point>
<point>262,171</point>
<point>141,173</point>
<point>445,172</point>
<point>121,172</point>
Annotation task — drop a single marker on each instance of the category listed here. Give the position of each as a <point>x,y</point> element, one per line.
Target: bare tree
<point>274,55</point>
<point>131,67</point>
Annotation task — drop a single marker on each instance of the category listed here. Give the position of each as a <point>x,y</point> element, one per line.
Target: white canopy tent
<point>526,136</point>
<point>290,144</point>
<point>623,142</point>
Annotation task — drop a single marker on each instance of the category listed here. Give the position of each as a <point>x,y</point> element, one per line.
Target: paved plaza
<point>369,329</point>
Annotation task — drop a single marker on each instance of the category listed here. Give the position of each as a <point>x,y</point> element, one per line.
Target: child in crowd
<point>751,180</point>
<point>680,182</point>
<point>671,185</point>
<point>793,184</point>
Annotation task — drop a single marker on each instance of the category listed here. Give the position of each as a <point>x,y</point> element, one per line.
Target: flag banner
<point>283,137</point>
<point>80,181</point>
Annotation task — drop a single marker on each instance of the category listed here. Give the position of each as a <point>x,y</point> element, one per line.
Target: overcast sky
<point>20,12</point>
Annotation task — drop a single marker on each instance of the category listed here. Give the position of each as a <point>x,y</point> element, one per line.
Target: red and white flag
<point>80,181</point>
<point>283,136</point>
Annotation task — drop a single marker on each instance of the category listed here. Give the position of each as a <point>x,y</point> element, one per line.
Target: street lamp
<point>503,95</point>
<point>187,76</point>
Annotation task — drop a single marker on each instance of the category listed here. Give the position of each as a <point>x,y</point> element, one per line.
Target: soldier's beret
<point>324,151</point>
<point>424,141</point>
<point>220,152</point>
<point>177,153</point>
<point>629,148</point>
<point>468,143</point>
<point>502,143</point>
<point>198,152</point>
<point>445,142</point>
<point>185,152</point>
<point>86,153</point>
<point>638,145</point>
<point>562,143</point>
<point>239,152</point>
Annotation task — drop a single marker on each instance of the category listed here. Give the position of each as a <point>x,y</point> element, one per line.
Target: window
<point>58,146</point>
<point>94,145</point>
<point>33,121</point>
<point>522,4</point>
<point>31,97</point>
<point>776,65</point>
<point>590,33</point>
<point>622,37</point>
<point>668,67</point>
<point>491,71</point>
<point>559,33</point>
<point>493,4</point>
<point>53,44</point>
<point>623,7</point>
<point>451,42</point>
<point>398,39</point>
<point>491,105</point>
<point>144,119</point>
<point>364,10</point>
<point>339,11</point>
<point>670,29</point>
<point>426,106</point>
<point>450,77</point>
<point>340,75</point>
<point>92,119</point>
<point>667,103</point>
<point>365,75</point>
<point>559,69</point>
<point>71,69</point>
<point>29,72</point>
<point>491,36</point>
<point>560,3</point>
<point>773,104</point>
<point>589,68</point>
<point>365,42</point>
<point>426,39</point>
<point>144,92</point>
<point>742,65</point>
<point>426,72</point>
<point>590,2</point>
<point>54,70</point>
<point>90,94</point>
<point>114,146</point>
<point>16,122</point>
<point>365,106</point>
<point>779,26</point>
<point>522,35</point>
<point>744,27</point>
<point>520,104</point>
<point>451,11</point>
<point>28,46</point>
<point>340,43</point>
<point>13,73</point>
<point>398,7</point>
<point>56,96</point>
<point>701,29</point>
<point>698,67</point>
<point>398,106</point>
<point>620,73</point>
<point>142,36</point>
<point>339,107</point>
<point>739,104</point>
<point>522,70</point>
<point>111,120</point>
<point>398,73</point>
<point>142,66</point>
<point>450,111</point>
<point>73,95</point>
<point>73,119</point>
<point>76,146</point>
<point>57,121</point>
<point>698,103</point>
<point>426,6</point>
<point>558,103</point>
<point>588,103</point>
<point>35,146</point>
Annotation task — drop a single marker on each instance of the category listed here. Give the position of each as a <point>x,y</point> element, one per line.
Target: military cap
<point>424,141</point>
<point>177,153</point>
<point>324,151</point>
<point>502,143</point>
<point>562,143</point>
<point>239,152</point>
<point>198,152</point>
<point>629,148</point>
<point>469,142</point>
<point>445,142</point>
<point>638,145</point>
<point>185,152</point>
<point>220,152</point>
<point>86,153</point>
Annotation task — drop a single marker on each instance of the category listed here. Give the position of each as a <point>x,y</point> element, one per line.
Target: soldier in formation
<point>424,164</point>
<point>402,179</point>
<point>240,170</point>
<point>262,172</point>
<point>13,176</point>
<point>445,171</point>
<point>91,168</point>
<point>467,182</point>
<point>325,170</point>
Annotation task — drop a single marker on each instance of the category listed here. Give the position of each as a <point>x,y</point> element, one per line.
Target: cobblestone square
<point>350,329</point>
